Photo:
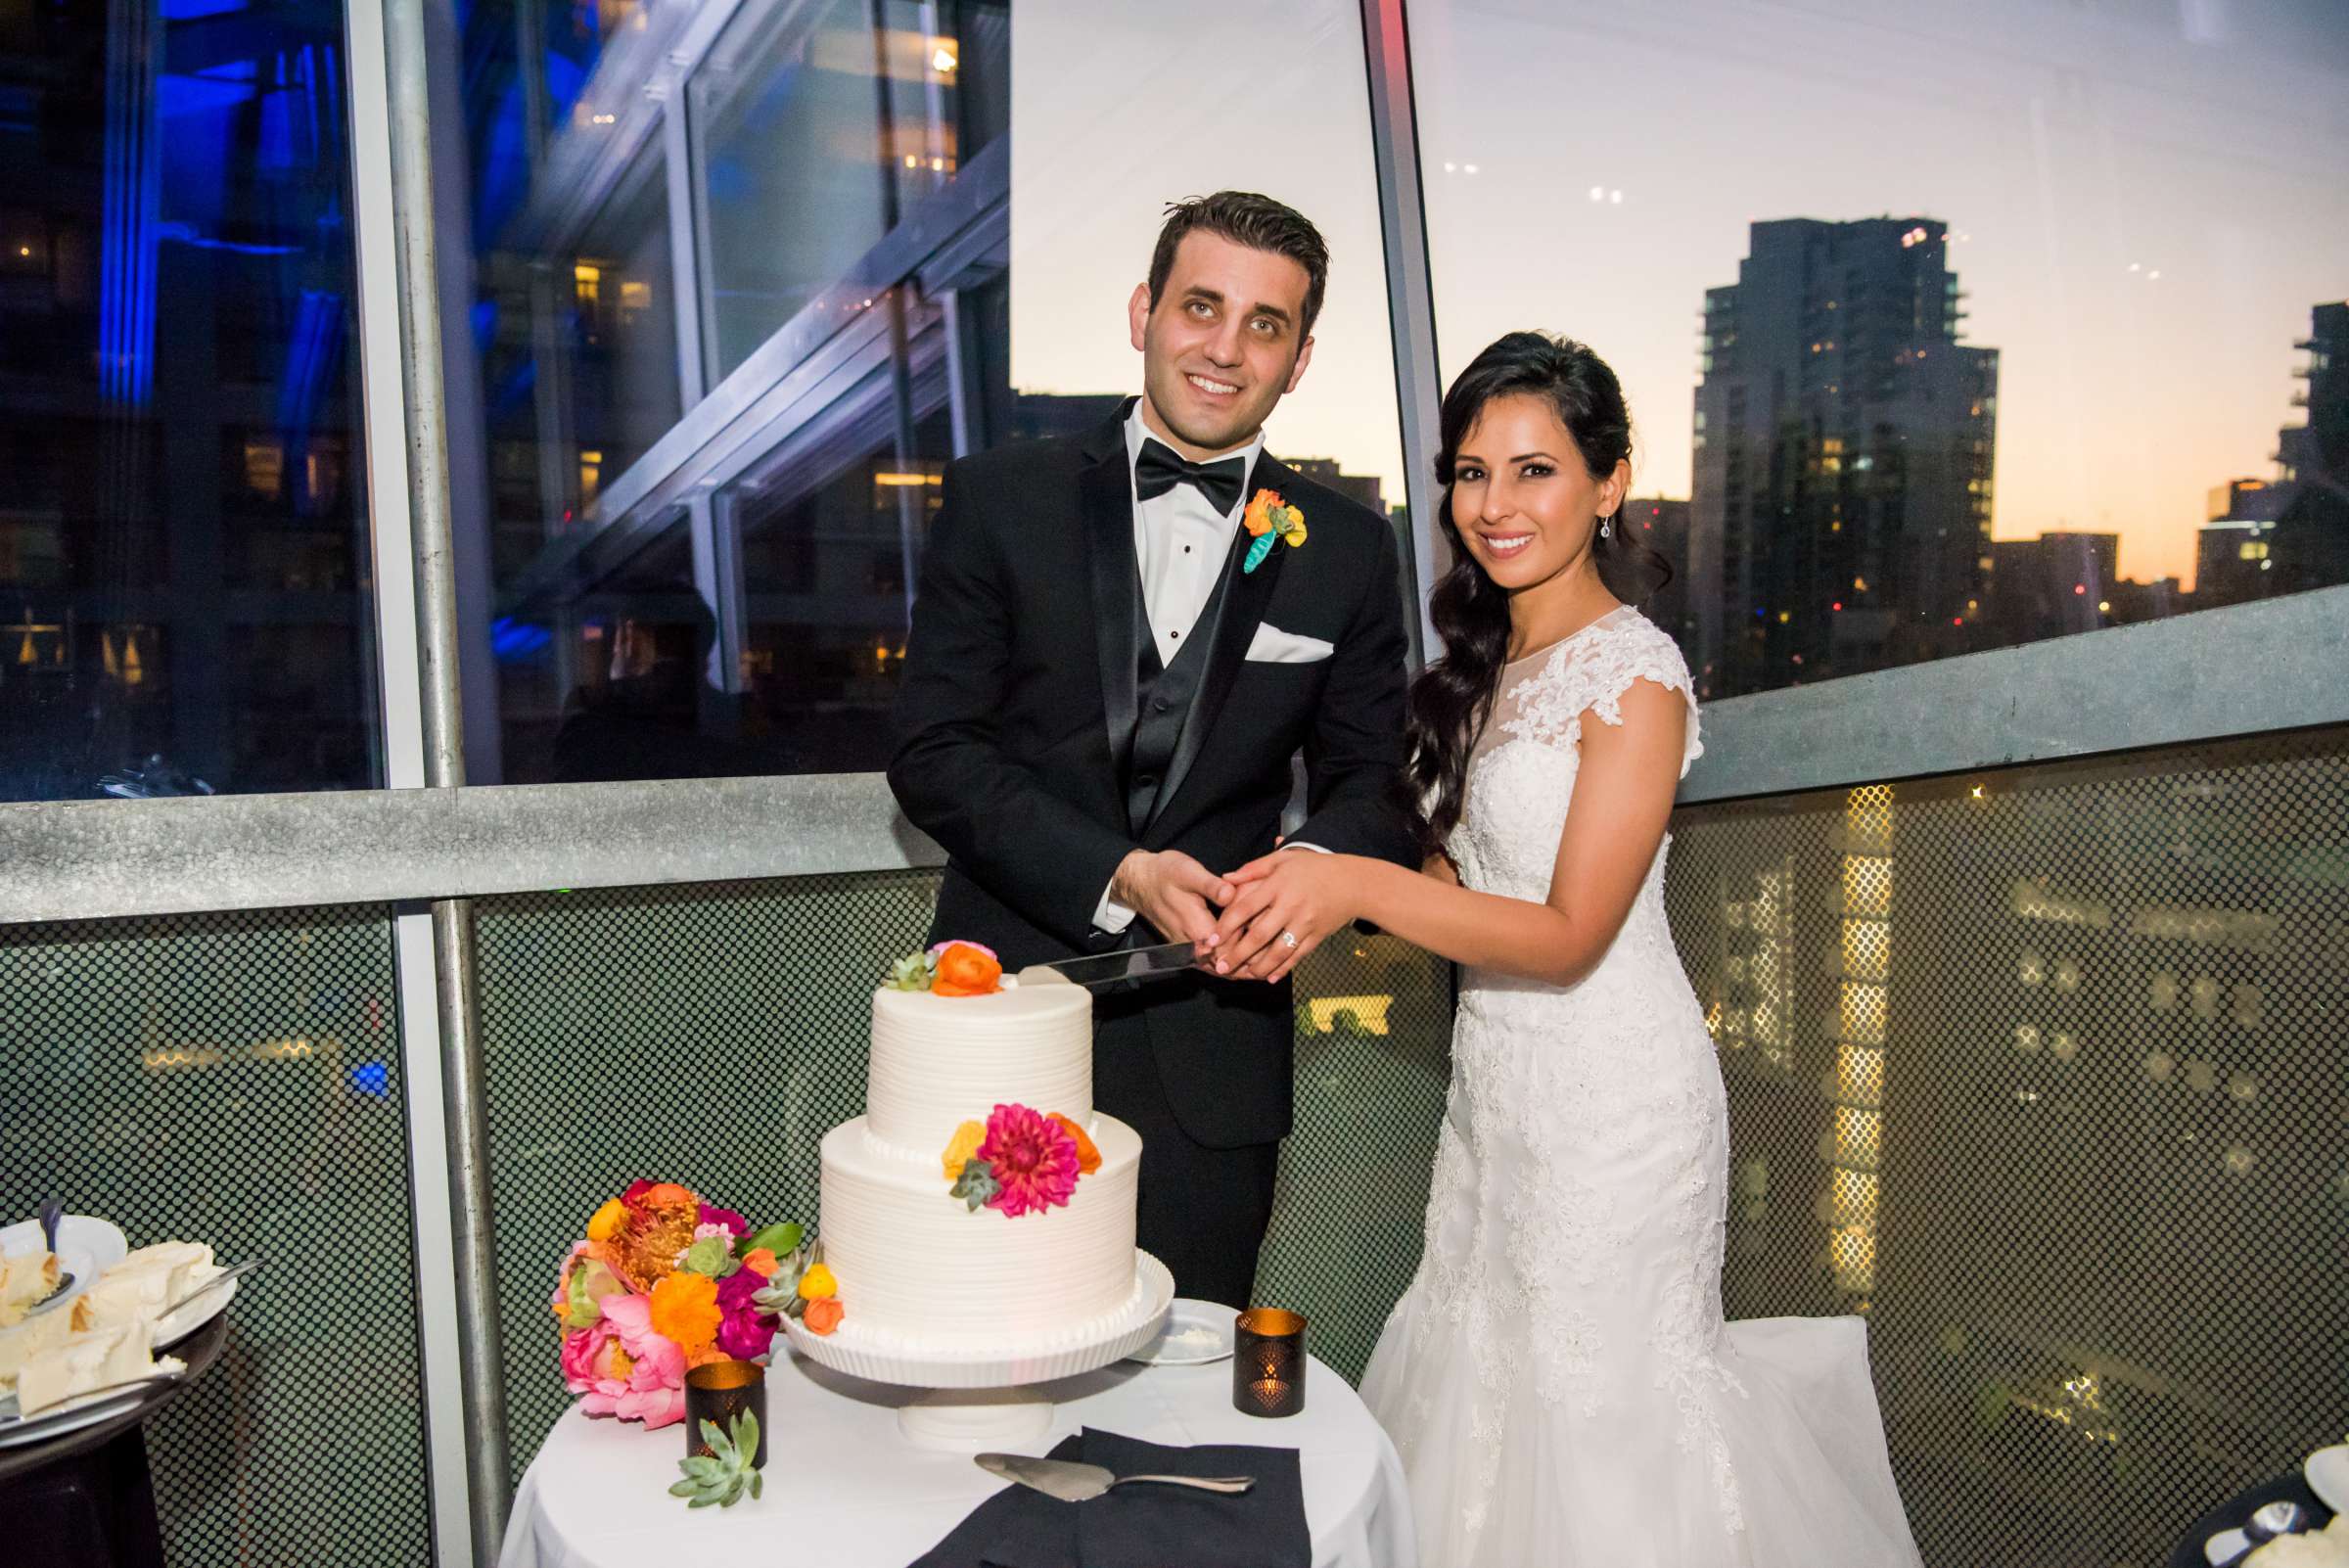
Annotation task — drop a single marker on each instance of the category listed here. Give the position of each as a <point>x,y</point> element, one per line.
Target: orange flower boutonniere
<point>1269,517</point>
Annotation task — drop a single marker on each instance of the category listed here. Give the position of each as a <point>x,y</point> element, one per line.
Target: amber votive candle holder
<point>1268,1362</point>
<point>719,1392</point>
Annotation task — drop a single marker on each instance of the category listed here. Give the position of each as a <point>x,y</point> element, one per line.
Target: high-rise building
<point>2050,586</point>
<point>2312,531</point>
<point>1661,523</point>
<point>1841,502</point>
<point>1362,487</point>
<point>2290,533</point>
<point>2234,554</point>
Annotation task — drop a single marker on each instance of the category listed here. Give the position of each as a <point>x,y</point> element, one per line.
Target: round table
<point>87,1496</point>
<point>854,1490</point>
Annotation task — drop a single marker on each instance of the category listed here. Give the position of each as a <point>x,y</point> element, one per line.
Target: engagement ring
<point>1288,939</point>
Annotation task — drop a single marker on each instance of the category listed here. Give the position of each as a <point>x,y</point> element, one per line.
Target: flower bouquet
<point>664,1283</point>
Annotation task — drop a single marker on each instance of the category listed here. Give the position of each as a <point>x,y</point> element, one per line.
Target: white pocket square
<point>1273,646</point>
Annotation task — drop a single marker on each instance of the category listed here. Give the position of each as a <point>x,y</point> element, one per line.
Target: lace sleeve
<point>1637,651</point>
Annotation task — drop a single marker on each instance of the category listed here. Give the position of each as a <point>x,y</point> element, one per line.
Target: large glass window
<point>184,577</point>
<point>1938,337</point>
<point>772,271</point>
<point>792,167</point>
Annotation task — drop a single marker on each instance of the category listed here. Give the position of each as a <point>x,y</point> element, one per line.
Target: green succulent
<point>976,1184</point>
<point>725,1473</point>
<point>913,972</point>
<point>781,1295</point>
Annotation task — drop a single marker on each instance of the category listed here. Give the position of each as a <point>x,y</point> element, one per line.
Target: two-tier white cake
<point>927,1267</point>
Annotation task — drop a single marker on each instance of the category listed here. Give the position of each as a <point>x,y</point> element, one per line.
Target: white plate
<point>172,1327</point>
<point>15,1429</point>
<point>1196,1333</point>
<point>2226,1546</point>
<point>86,1246</point>
<point>2327,1472</point>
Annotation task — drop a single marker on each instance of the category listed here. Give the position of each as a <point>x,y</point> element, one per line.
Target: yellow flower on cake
<point>961,1148</point>
<point>817,1283</point>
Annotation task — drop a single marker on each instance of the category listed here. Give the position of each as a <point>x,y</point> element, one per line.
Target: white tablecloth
<point>843,1488</point>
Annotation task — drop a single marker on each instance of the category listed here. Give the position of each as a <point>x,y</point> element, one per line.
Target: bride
<point>1558,1378</point>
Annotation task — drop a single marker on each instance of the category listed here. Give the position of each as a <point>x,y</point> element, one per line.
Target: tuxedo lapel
<point>1105,512</point>
<point>1238,609</point>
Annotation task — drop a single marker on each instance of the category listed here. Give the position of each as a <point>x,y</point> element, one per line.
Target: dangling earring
<point>1606,526</point>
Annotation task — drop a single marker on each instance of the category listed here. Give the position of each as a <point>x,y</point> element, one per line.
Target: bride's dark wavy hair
<point>1452,699</point>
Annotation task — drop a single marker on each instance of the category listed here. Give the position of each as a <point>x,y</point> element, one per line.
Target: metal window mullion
<point>677,157</point>
<point>714,532</point>
<point>1411,297</point>
<point>406,129</point>
<point>399,683</point>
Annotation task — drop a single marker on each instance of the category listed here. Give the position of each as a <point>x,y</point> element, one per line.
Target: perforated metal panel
<point>2048,1073</point>
<point>235,1079</point>
<point>1373,1058</point>
<point>709,1034</point>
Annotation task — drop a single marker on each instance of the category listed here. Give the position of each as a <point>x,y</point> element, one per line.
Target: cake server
<point>1133,963</point>
<point>1072,1482</point>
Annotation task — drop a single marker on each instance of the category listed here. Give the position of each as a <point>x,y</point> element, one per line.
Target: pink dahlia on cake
<point>1034,1161</point>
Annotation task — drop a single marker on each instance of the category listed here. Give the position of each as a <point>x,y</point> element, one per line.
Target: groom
<point>1104,687</point>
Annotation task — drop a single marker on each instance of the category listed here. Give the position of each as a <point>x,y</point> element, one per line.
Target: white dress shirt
<point>1181,544</point>
<point>1181,541</point>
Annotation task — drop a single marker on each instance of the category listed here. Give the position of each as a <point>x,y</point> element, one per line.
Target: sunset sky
<point>2144,199</point>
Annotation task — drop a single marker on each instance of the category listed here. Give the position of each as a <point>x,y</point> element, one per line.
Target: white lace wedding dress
<point>1558,1377</point>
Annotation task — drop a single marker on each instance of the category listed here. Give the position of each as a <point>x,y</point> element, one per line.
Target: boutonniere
<point>1271,518</point>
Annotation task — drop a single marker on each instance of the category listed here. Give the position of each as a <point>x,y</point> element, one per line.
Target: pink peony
<point>630,1372</point>
<point>712,1214</point>
<point>1033,1159</point>
<point>743,1330</point>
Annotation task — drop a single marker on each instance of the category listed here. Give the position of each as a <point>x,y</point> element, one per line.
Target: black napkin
<point>1142,1527</point>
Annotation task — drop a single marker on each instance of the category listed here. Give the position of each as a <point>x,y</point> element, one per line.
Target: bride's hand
<point>1289,902</point>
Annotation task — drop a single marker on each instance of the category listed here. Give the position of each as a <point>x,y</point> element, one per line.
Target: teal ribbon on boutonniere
<point>1272,521</point>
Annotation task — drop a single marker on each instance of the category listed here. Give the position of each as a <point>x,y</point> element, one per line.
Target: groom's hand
<point>1173,892</point>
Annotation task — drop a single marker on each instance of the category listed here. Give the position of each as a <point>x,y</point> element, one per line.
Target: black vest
<point>1164,692</point>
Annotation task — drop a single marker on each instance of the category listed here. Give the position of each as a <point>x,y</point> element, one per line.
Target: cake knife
<point>1072,1482</point>
<point>1133,963</point>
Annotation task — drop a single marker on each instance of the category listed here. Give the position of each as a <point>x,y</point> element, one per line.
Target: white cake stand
<point>977,1400</point>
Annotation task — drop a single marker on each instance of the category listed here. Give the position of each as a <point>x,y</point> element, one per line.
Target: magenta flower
<point>743,1330</point>
<point>1033,1159</point>
<point>712,1214</point>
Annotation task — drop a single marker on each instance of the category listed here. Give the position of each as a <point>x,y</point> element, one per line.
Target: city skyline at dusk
<point>2143,252</point>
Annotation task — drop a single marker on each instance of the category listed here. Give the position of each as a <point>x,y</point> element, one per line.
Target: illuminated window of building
<point>264,467</point>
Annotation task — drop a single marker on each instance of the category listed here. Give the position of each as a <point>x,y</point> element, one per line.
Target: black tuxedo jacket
<point>1016,720</point>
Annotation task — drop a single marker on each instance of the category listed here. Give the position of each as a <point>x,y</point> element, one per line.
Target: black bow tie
<point>1161,468</point>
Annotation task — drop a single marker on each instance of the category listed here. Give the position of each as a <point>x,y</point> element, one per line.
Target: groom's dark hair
<point>1256,221</point>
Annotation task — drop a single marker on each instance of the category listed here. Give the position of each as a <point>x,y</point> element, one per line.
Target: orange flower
<point>760,1261</point>
<point>1257,519</point>
<point>608,1221</point>
<point>823,1317</point>
<point>1088,1158</point>
<point>964,970</point>
<point>684,1312</point>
